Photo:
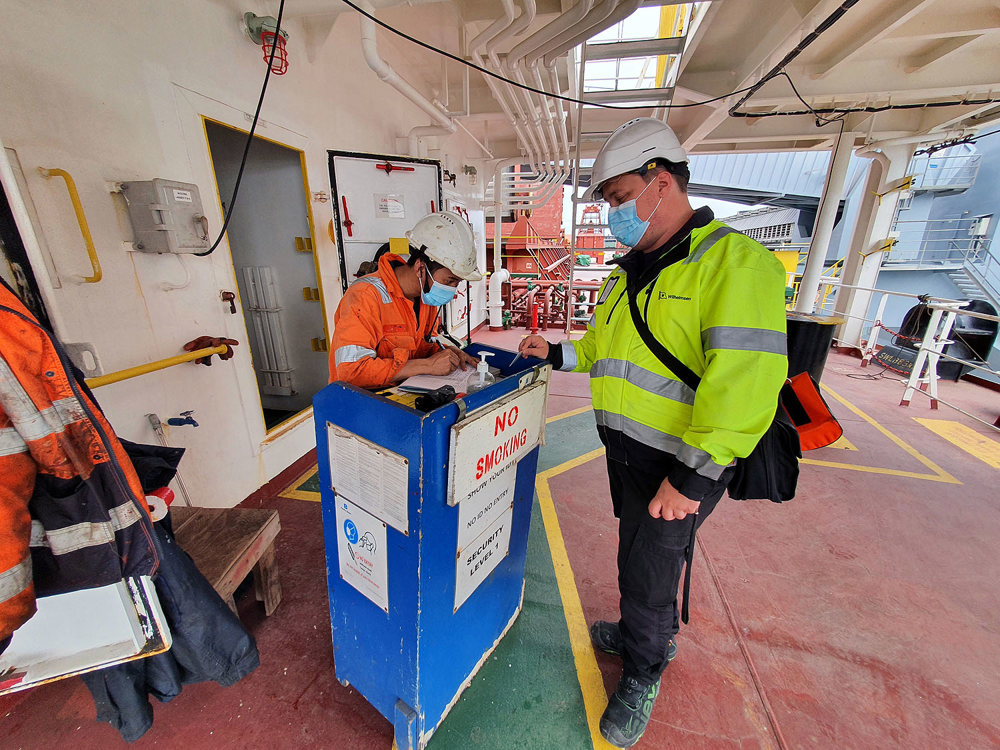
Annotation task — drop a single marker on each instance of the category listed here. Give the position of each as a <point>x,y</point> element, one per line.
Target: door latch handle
<point>229,297</point>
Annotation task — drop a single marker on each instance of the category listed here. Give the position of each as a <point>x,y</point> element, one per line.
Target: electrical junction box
<point>166,216</point>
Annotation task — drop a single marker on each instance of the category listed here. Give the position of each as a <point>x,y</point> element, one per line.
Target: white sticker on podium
<point>370,476</point>
<point>486,503</point>
<point>362,553</point>
<point>478,559</point>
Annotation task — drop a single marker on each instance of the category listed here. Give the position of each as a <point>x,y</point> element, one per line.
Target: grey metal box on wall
<point>166,216</point>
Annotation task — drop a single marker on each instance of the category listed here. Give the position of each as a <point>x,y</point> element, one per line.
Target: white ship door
<point>378,198</point>
<point>272,248</point>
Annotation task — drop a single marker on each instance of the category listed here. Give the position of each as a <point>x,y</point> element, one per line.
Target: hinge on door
<point>304,244</point>
<point>310,294</point>
<point>319,345</point>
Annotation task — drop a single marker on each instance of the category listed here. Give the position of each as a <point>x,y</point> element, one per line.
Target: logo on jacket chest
<point>664,295</point>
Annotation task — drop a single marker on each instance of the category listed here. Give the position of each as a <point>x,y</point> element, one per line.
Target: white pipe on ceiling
<point>386,74</point>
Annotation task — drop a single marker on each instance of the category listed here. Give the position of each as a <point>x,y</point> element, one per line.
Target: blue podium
<point>425,519</point>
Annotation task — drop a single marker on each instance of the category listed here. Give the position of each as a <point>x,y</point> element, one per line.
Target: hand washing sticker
<point>361,553</point>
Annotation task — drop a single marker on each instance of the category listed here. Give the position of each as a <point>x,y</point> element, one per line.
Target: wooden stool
<point>227,543</point>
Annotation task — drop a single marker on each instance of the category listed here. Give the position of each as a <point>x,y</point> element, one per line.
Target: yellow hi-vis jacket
<point>721,312</point>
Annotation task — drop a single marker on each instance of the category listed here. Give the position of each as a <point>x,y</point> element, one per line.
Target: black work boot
<point>607,636</point>
<point>628,711</point>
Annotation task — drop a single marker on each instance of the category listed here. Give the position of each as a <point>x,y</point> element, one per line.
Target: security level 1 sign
<point>479,558</point>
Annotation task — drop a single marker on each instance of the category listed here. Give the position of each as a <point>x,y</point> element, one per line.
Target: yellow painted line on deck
<point>571,413</point>
<point>297,494</point>
<point>966,438</point>
<point>843,443</point>
<point>938,474</point>
<point>589,674</point>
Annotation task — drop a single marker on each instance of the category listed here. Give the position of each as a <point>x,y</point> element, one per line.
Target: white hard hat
<point>631,147</point>
<point>447,238</point>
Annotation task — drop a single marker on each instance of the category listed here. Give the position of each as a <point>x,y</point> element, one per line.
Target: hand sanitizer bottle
<point>482,377</point>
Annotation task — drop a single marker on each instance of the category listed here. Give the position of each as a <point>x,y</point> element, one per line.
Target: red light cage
<point>269,40</point>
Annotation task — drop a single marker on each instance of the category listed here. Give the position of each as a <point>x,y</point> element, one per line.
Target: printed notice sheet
<point>370,476</point>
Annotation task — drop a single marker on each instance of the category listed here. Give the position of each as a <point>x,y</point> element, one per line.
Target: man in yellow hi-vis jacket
<point>714,299</point>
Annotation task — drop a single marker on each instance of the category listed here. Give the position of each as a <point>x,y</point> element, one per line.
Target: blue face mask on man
<point>439,294</point>
<point>625,223</point>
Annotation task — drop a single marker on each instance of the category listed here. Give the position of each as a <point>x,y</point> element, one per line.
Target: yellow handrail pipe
<point>160,364</point>
<point>74,196</point>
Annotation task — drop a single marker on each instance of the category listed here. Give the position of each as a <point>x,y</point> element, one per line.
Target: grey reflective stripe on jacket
<point>569,356</point>
<point>376,282</point>
<point>699,460</point>
<point>706,244</point>
<point>745,339</point>
<point>638,431</point>
<point>352,353</point>
<point>28,422</point>
<point>86,534</point>
<point>37,424</point>
<point>642,378</point>
<point>15,580</point>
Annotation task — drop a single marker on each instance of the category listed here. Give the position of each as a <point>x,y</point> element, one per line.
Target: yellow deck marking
<point>565,414</point>
<point>591,682</point>
<point>297,494</point>
<point>938,474</point>
<point>966,438</point>
<point>843,443</point>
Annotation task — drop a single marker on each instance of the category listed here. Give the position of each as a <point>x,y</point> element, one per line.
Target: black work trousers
<point>651,555</point>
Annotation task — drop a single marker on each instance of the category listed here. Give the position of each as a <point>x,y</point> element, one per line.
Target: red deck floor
<point>860,615</point>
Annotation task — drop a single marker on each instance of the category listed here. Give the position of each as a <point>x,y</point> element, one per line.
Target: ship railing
<point>951,172</point>
<point>924,376</point>
<point>937,243</point>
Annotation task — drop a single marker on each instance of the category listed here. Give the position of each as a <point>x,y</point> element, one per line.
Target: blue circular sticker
<point>351,531</point>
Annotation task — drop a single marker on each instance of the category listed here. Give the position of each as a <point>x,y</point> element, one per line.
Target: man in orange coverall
<point>384,324</point>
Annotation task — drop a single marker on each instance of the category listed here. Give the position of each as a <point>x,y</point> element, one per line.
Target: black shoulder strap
<point>681,370</point>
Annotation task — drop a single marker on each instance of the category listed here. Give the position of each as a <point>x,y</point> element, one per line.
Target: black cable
<point>540,92</point>
<point>246,149</point>
<point>823,27</point>
<point>881,108</point>
<point>953,142</point>
<point>820,120</point>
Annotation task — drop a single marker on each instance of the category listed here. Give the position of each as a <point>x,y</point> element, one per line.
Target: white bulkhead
<point>119,92</point>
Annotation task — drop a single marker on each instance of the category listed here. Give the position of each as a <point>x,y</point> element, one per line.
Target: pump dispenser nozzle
<point>482,377</point>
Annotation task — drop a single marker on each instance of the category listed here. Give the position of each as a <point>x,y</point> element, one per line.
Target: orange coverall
<point>376,331</point>
<point>50,437</point>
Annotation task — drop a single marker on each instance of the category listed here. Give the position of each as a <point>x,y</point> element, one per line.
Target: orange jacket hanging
<point>72,511</point>
<point>376,331</point>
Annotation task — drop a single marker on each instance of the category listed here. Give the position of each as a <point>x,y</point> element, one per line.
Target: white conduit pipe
<point>475,51</point>
<point>495,304</point>
<point>550,123</point>
<point>592,23</point>
<point>529,138</point>
<point>420,131</point>
<point>563,120</point>
<point>567,20</point>
<point>386,74</point>
<point>564,43</point>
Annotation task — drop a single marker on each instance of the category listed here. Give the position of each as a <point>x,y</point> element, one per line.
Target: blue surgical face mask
<point>439,294</point>
<point>625,223</point>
